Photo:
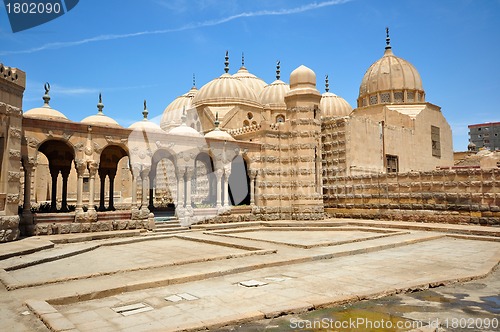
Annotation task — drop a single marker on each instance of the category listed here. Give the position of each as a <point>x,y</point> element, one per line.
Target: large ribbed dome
<point>333,105</point>
<point>225,90</point>
<point>250,80</point>
<point>390,80</point>
<point>173,112</point>
<point>274,95</point>
<point>45,112</point>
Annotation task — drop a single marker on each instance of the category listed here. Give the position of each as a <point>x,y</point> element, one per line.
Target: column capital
<point>81,166</point>
<point>189,172</point>
<point>93,167</point>
<point>218,174</point>
<point>29,162</point>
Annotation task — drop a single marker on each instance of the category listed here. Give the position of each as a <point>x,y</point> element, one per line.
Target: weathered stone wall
<point>451,196</point>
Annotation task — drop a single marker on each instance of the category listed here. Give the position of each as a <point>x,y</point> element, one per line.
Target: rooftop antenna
<point>226,68</point>
<point>100,105</point>
<point>278,70</point>
<point>327,86</point>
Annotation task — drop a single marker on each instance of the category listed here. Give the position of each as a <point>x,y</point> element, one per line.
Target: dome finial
<point>100,105</point>
<point>194,80</point>
<point>327,85</point>
<point>226,68</point>
<point>46,97</point>
<point>145,112</point>
<point>216,122</point>
<point>387,39</point>
<point>242,59</point>
<point>278,70</point>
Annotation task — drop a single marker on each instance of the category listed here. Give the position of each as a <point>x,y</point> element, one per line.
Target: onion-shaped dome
<point>45,112</point>
<point>145,124</point>
<point>302,77</point>
<point>172,115</point>
<point>225,90</point>
<point>390,80</point>
<point>333,105</point>
<point>100,119</point>
<point>250,80</point>
<point>218,133</point>
<point>183,129</point>
<point>274,93</point>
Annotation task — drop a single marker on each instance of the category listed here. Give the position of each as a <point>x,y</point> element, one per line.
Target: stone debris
<point>252,283</point>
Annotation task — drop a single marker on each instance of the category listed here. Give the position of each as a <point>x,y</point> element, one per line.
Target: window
<point>392,163</point>
<point>280,118</point>
<point>436,141</point>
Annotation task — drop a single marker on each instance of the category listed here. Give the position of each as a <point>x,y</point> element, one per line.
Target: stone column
<point>218,175</point>
<point>93,167</point>
<point>102,176</point>
<point>180,188</point>
<point>80,166</point>
<point>152,176</point>
<point>145,190</point>
<point>111,175</point>
<point>227,174</point>
<point>65,174</point>
<point>189,176</point>
<point>54,173</point>
<point>28,175</point>
<point>252,176</point>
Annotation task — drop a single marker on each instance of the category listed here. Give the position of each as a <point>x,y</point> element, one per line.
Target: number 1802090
<point>33,8</point>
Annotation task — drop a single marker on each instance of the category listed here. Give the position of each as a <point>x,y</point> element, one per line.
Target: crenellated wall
<point>451,196</point>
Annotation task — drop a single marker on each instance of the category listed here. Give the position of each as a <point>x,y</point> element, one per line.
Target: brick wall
<point>451,196</point>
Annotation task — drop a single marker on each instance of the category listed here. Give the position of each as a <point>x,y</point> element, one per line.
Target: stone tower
<point>12,85</point>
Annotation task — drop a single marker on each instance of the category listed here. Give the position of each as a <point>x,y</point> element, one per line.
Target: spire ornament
<point>216,122</point>
<point>278,70</point>
<point>226,63</point>
<point>46,97</point>
<point>327,85</point>
<point>194,80</point>
<point>145,112</point>
<point>242,60</point>
<point>100,105</point>
<point>387,39</point>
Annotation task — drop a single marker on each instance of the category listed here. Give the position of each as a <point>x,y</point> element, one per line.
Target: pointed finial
<point>100,105</point>
<point>327,86</point>
<point>278,70</point>
<point>46,97</point>
<point>194,80</point>
<point>216,122</point>
<point>226,69</point>
<point>183,117</point>
<point>387,39</point>
<point>145,112</point>
<point>242,59</point>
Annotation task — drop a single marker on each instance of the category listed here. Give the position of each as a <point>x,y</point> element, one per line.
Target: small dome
<point>173,112</point>
<point>184,130</point>
<point>274,94</point>
<point>333,105</point>
<point>390,80</point>
<point>225,90</point>
<point>218,133</point>
<point>45,112</point>
<point>250,80</point>
<point>100,119</point>
<point>302,77</point>
<point>145,124</point>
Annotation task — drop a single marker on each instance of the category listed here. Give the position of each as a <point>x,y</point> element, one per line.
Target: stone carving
<point>32,142</point>
<point>14,176</point>
<point>15,132</point>
<point>14,154</point>
<point>13,199</point>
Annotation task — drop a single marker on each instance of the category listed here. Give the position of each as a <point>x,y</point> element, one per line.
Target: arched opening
<point>239,182</point>
<point>60,156</point>
<point>162,182</point>
<point>204,182</point>
<point>108,166</point>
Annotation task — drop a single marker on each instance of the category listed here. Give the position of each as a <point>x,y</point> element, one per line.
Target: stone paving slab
<point>220,301</point>
<point>24,246</point>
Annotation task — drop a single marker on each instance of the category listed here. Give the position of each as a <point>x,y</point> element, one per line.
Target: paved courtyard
<point>218,275</point>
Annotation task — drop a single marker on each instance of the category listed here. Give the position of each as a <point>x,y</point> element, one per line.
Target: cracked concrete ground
<point>193,280</point>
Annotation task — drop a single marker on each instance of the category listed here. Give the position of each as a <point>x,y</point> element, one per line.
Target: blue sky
<point>134,50</point>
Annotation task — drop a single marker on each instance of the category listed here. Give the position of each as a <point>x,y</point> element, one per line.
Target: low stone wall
<point>451,196</point>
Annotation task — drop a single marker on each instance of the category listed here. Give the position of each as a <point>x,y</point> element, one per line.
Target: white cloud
<point>190,26</point>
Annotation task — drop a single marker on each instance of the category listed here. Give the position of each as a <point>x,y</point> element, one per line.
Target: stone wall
<point>451,196</point>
